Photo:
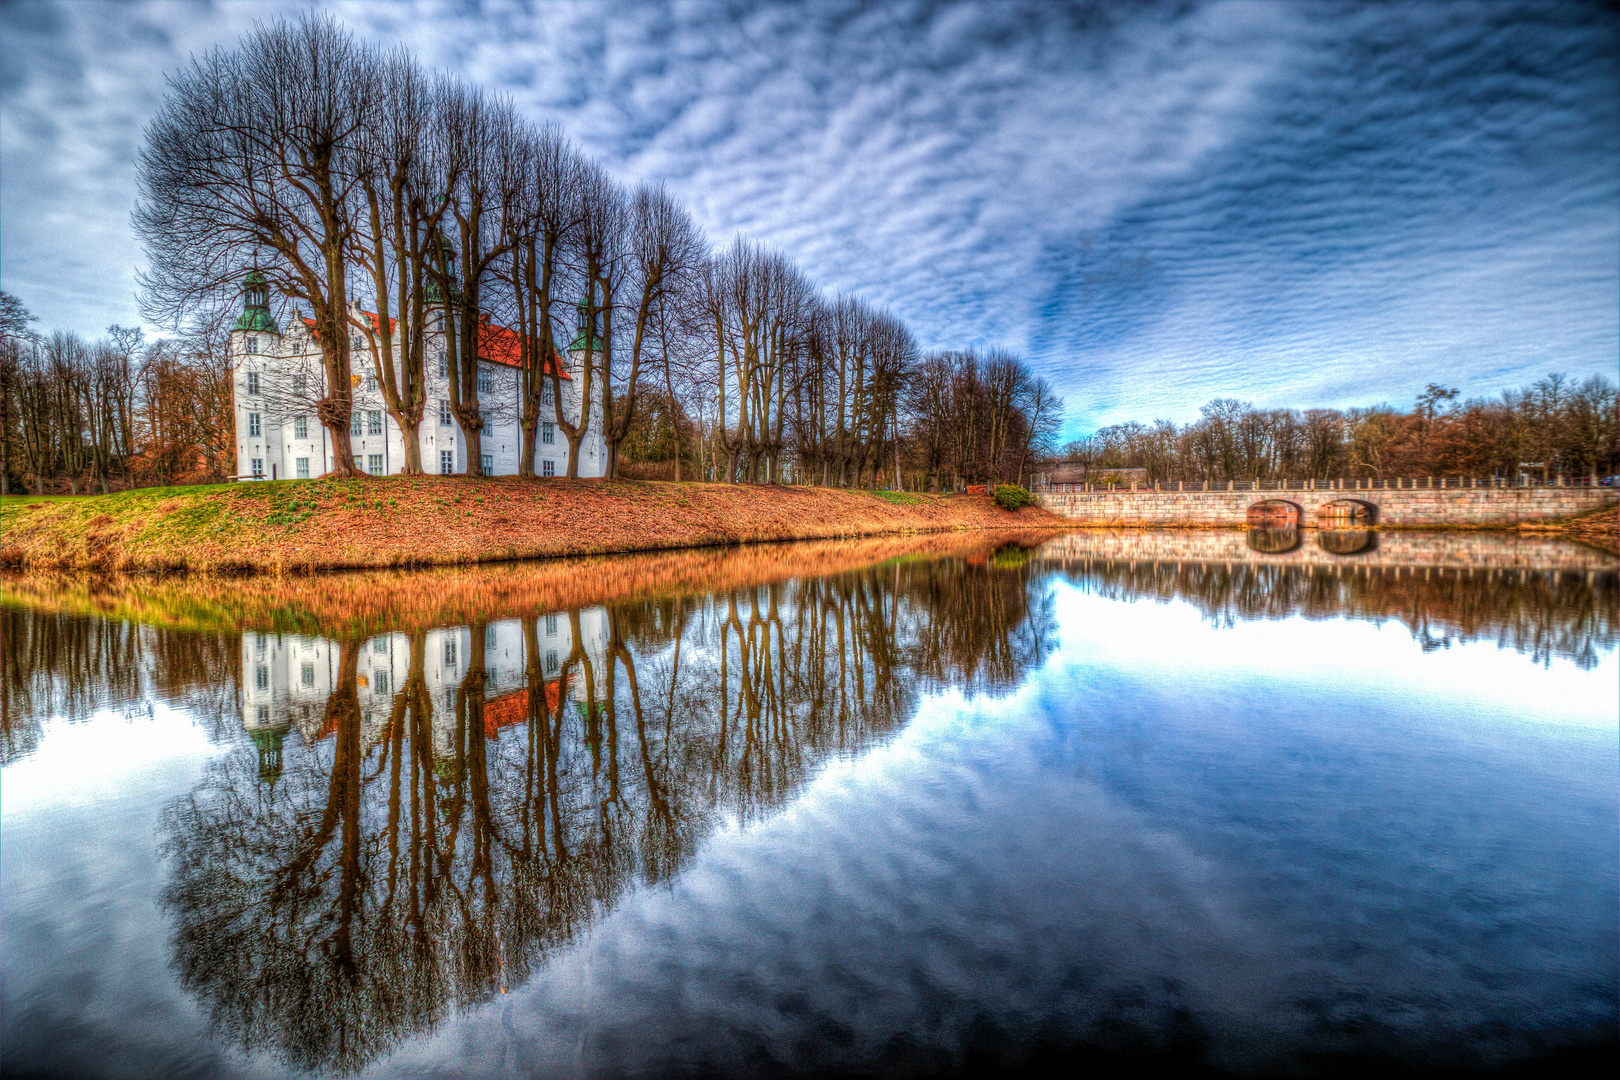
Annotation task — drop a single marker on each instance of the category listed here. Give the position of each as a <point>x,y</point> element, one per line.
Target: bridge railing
<point>1398,483</point>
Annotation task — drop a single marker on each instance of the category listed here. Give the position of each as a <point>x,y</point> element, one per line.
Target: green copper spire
<point>584,340</point>
<point>255,316</point>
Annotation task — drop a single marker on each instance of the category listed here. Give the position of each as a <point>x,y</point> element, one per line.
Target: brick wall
<point>1393,509</point>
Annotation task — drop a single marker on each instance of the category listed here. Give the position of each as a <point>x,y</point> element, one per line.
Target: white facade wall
<point>286,679</point>
<point>276,447</point>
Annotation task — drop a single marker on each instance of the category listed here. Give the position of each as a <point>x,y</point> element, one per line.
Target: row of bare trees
<point>1554,427</point>
<point>116,412</point>
<point>401,212</point>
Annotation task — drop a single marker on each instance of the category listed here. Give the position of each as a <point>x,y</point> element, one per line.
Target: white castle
<point>286,679</point>
<point>278,381</point>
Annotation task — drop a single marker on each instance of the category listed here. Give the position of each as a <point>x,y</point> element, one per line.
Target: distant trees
<point>119,411</point>
<point>1554,427</point>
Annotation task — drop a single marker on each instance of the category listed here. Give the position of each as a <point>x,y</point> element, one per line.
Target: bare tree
<point>665,249</point>
<point>544,230</point>
<point>252,161</point>
<point>483,146</point>
<point>404,179</point>
<point>15,334</point>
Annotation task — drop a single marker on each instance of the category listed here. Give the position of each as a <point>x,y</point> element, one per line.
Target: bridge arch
<point>1346,513</point>
<point>1274,514</point>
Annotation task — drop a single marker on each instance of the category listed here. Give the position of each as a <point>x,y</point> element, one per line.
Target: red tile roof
<point>513,708</point>
<point>504,711</point>
<point>497,344</point>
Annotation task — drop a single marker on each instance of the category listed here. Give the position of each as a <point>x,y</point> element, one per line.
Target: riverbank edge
<point>339,525</point>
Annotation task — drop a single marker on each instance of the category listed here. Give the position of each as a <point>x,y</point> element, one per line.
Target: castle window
<point>258,468</point>
<point>300,380</point>
<point>450,652</point>
<point>548,433</point>
<point>379,682</point>
<point>357,423</point>
<point>302,467</point>
<point>253,425</point>
<point>252,343</point>
<point>548,468</point>
<point>489,425</point>
<point>545,392</point>
<point>489,464</point>
<point>264,714</point>
<point>489,637</point>
<point>551,660</point>
<point>380,645</point>
<point>253,380</point>
<point>261,677</point>
<point>300,427</point>
<point>306,674</point>
<point>371,384</point>
<point>374,422</point>
<point>486,381</point>
<point>375,465</point>
<point>444,412</point>
<point>551,626</point>
<point>444,371</point>
<point>447,462</point>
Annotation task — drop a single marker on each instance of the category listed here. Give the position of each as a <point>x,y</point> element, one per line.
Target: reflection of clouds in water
<point>1118,858</point>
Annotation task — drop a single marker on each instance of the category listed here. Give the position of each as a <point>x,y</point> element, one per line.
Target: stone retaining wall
<point>1392,509</point>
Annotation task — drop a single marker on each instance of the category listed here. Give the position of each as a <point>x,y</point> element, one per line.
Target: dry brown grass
<point>430,520</point>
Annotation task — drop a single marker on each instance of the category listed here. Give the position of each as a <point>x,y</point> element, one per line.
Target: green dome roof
<point>258,320</point>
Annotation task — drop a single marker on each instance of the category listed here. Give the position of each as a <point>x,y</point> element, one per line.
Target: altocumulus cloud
<point>1311,204</point>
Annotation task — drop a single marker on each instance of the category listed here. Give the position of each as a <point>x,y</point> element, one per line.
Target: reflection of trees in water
<point>1566,614</point>
<point>369,890</point>
<point>72,666</point>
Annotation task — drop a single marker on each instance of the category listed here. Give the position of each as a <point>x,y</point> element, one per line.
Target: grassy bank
<point>295,525</point>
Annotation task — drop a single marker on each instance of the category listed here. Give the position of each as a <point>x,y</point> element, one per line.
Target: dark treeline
<point>1569,615</point>
<point>68,666</point>
<point>354,181</point>
<point>118,412</point>
<point>1556,427</point>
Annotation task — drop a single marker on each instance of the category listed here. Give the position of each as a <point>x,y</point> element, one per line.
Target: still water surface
<point>1243,805</point>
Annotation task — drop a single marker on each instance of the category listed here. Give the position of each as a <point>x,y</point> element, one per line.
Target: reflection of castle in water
<point>287,680</point>
<point>457,803</point>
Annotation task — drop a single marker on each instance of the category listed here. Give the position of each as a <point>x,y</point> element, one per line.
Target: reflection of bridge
<point>1328,506</point>
<point>1483,552</point>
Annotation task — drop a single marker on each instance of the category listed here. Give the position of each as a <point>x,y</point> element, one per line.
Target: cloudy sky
<point>1301,204</point>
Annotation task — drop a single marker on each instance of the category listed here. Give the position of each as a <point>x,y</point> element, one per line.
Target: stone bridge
<point>1389,508</point>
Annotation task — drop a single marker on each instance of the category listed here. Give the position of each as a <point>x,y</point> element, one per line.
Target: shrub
<point>1012,496</point>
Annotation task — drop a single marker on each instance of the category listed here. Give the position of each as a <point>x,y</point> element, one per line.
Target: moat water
<point>1240,805</point>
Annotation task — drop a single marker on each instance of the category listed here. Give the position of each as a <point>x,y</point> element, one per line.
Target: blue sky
<point>1301,204</point>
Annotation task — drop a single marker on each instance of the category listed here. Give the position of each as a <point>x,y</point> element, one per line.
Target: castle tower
<point>255,318</point>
